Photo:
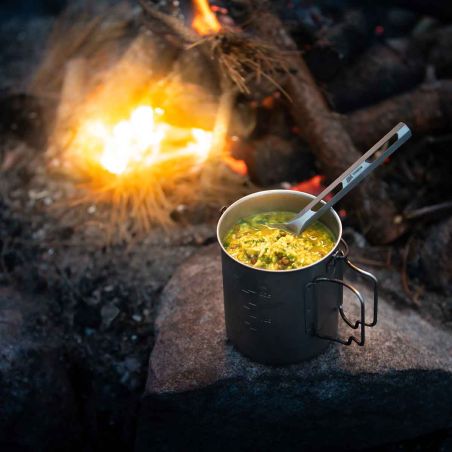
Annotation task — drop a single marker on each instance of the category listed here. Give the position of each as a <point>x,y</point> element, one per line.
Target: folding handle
<point>358,324</point>
<point>341,254</point>
<point>374,157</point>
<point>374,281</point>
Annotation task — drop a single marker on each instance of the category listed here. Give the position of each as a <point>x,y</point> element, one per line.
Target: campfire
<point>137,143</point>
<point>156,113</point>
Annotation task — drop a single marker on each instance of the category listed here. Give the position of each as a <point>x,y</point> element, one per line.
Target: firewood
<point>340,43</point>
<point>429,212</point>
<point>381,72</point>
<point>329,141</point>
<point>272,159</point>
<point>427,109</point>
<point>73,89</point>
<point>437,8</point>
<point>439,44</point>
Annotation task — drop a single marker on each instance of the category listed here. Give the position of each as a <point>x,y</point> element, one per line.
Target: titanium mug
<point>287,316</point>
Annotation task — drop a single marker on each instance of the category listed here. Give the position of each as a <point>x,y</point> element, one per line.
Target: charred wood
<point>427,109</point>
<point>381,72</point>
<point>438,8</point>
<point>429,212</point>
<point>440,56</point>
<point>397,22</point>
<point>272,159</point>
<point>302,22</point>
<point>340,43</point>
<point>329,141</point>
<point>435,44</point>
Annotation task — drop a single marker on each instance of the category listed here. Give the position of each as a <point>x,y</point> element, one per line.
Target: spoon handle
<point>374,157</point>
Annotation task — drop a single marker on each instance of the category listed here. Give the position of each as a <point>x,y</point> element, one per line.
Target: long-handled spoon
<point>348,179</point>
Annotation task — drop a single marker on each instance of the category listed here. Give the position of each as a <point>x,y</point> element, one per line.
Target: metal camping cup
<point>284,317</point>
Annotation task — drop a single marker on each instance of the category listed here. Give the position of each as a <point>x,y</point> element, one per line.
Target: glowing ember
<point>236,165</point>
<point>205,22</point>
<point>314,186</point>
<point>142,141</point>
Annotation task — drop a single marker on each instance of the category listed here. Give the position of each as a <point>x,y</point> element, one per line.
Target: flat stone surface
<point>395,387</point>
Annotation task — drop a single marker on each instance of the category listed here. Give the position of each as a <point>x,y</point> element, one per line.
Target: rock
<point>38,409</point>
<point>202,394</point>
<point>109,314</point>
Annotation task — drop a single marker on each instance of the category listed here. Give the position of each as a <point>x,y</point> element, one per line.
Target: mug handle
<point>342,254</point>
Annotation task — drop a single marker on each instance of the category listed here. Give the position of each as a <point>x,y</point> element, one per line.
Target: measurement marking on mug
<point>263,292</point>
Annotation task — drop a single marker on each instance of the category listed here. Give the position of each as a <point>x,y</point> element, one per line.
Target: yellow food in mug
<point>253,242</point>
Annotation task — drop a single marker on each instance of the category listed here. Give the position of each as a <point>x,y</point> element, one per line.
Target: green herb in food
<point>253,242</point>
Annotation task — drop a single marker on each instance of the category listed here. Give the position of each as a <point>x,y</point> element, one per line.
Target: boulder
<point>202,394</point>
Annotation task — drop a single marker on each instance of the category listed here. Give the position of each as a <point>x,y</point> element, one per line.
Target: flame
<point>141,141</point>
<point>205,22</point>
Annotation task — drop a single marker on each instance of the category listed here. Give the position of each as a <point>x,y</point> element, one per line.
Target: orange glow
<point>205,22</point>
<point>236,165</point>
<point>268,102</point>
<point>139,142</point>
<point>313,186</point>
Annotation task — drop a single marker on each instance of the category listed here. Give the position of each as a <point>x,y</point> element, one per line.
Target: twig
<point>371,262</point>
<point>434,209</point>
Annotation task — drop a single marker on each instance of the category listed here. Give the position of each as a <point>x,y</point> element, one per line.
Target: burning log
<point>340,43</point>
<point>380,73</point>
<point>427,109</point>
<point>329,140</point>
